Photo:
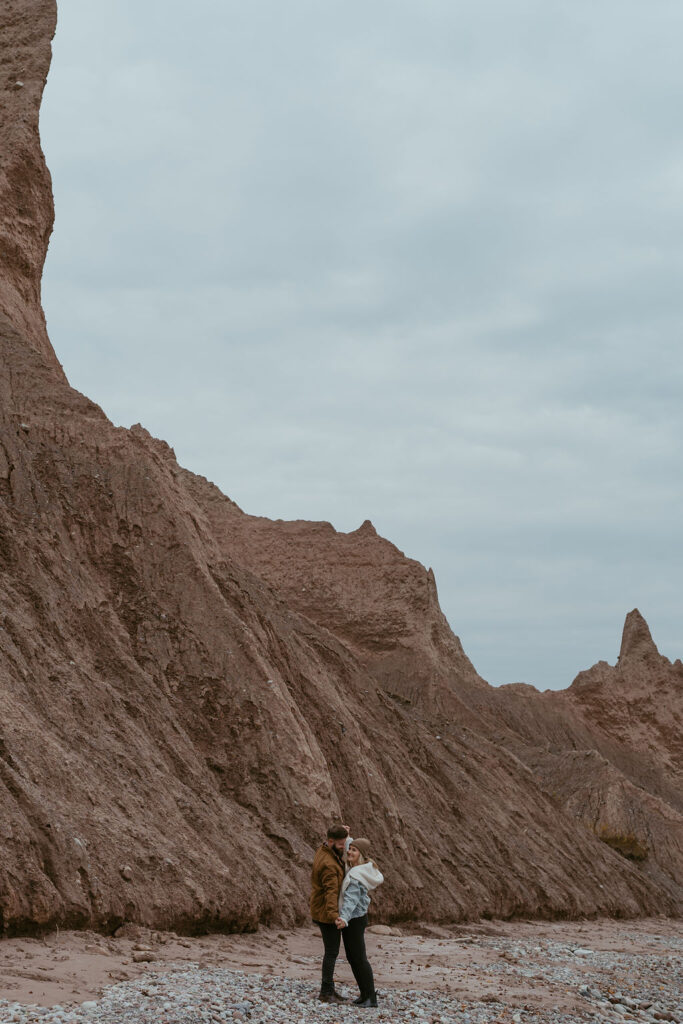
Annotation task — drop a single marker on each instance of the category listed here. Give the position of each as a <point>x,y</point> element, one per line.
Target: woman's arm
<point>351,900</point>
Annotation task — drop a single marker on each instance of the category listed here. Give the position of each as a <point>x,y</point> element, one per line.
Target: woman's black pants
<point>354,947</point>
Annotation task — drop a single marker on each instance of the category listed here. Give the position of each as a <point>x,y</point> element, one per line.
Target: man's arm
<point>329,879</point>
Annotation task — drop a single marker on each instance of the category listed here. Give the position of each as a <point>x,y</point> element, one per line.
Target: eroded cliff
<point>188,694</point>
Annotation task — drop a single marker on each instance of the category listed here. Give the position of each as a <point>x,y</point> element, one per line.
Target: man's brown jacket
<point>326,881</point>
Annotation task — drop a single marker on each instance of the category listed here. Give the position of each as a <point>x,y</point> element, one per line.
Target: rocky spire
<point>26,209</point>
<point>636,640</point>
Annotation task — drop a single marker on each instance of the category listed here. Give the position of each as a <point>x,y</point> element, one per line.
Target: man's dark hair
<point>337,832</point>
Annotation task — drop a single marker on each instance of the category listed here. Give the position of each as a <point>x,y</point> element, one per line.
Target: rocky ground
<point>488,972</point>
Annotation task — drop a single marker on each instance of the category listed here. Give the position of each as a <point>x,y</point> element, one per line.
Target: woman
<point>354,899</point>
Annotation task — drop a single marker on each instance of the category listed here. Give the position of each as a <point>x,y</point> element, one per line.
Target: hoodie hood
<point>367,874</point>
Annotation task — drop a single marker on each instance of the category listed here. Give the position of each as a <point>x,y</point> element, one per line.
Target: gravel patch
<point>198,995</point>
<point>522,978</point>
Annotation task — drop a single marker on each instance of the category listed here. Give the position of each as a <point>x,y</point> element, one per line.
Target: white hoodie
<point>365,875</point>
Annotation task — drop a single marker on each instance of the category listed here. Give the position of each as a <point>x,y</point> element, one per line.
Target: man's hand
<point>340,922</point>
<point>348,830</point>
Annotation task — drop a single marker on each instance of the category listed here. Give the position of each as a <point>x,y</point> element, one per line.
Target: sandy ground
<point>524,964</point>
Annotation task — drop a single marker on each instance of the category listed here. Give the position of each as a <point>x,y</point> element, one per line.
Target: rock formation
<point>189,694</point>
<point>609,750</point>
<point>26,213</point>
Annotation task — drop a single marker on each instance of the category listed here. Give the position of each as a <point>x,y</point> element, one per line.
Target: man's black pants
<point>354,947</point>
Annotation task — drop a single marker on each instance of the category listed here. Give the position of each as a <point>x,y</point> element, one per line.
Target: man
<point>326,881</point>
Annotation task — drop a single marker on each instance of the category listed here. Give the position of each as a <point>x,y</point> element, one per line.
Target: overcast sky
<point>414,262</point>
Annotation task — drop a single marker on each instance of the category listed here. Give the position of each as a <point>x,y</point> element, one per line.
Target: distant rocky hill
<point>609,749</point>
<point>189,694</point>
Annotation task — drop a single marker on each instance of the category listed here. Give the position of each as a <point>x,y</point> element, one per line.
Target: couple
<point>343,876</point>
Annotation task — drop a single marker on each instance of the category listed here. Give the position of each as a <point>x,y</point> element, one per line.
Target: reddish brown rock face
<point>26,210</point>
<point>189,694</point>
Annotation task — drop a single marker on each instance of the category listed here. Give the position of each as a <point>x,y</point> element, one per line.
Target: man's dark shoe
<point>331,997</point>
<point>370,1001</point>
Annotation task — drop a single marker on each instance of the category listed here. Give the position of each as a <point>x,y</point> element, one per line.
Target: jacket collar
<point>337,856</point>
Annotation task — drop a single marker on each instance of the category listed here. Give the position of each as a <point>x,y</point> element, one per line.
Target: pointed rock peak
<point>636,640</point>
<point>367,527</point>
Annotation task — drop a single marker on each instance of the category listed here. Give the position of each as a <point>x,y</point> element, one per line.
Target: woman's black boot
<point>370,1001</point>
<point>361,999</point>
